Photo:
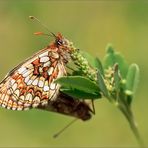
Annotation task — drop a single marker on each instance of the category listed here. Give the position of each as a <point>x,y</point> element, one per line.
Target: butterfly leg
<point>93,107</point>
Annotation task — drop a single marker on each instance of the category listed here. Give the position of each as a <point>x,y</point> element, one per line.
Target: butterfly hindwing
<point>31,83</point>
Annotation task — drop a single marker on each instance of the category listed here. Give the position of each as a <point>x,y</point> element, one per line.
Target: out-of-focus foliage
<point>90,25</point>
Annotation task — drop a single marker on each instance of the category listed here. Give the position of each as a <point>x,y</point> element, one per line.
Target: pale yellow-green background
<point>91,25</point>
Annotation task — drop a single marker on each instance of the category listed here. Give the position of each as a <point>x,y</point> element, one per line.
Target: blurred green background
<point>91,25</point>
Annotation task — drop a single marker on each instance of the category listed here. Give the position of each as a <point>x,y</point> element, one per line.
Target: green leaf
<point>99,66</point>
<point>129,99</point>
<point>109,49</point>
<point>112,57</point>
<point>79,87</point>
<point>79,83</point>
<point>116,77</point>
<point>122,94</point>
<point>78,94</point>
<point>102,85</point>
<point>132,79</point>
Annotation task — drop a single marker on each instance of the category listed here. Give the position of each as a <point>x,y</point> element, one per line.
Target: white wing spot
<point>14,106</point>
<point>9,92</point>
<point>46,64</point>
<point>44,102</point>
<point>55,55</point>
<point>26,108</point>
<point>14,98</point>
<point>36,101</point>
<point>31,80</point>
<point>43,54</point>
<point>27,79</point>
<point>52,86</point>
<point>20,108</point>
<point>50,71</point>
<point>21,100</point>
<point>3,105</point>
<point>29,66</point>
<point>46,88</point>
<point>9,104</point>
<point>14,86</point>
<point>40,84</point>
<point>8,107</point>
<point>27,73</point>
<point>21,70</point>
<point>35,82</point>
<point>28,97</point>
<point>44,59</point>
<point>17,92</point>
<point>12,81</point>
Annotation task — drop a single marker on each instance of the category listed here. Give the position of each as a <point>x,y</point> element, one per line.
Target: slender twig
<point>129,116</point>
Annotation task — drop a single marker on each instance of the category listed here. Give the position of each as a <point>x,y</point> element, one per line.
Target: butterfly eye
<point>60,42</point>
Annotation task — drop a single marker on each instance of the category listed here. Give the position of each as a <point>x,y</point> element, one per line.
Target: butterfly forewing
<point>31,83</point>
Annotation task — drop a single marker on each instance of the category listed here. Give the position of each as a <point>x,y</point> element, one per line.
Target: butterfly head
<point>63,43</point>
<point>63,46</point>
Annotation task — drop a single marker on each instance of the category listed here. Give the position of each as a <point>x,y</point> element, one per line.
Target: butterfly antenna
<point>36,19</point>
<point>63,129</point>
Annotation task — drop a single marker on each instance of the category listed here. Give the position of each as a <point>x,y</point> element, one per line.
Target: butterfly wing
<point>31,83</point>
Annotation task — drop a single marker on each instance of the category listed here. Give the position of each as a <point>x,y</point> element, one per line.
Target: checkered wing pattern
<point>32,82</point>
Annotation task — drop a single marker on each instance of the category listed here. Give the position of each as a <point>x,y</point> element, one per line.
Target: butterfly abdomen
<point>68,106</point>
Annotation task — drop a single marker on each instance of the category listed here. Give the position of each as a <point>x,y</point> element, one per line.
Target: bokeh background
<point>91,25</point>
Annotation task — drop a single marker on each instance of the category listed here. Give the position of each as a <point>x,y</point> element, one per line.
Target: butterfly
<point>31,83</point>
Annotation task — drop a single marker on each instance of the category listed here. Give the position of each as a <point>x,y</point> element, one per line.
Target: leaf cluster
<point>116,80</point>
<point>113,78</point>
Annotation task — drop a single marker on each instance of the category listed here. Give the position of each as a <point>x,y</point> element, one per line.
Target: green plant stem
<point>129,116</point>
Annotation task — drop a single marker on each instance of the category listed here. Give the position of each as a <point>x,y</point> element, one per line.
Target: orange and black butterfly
<point>31,83</point>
